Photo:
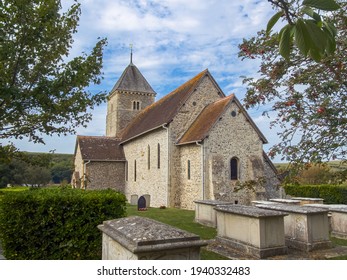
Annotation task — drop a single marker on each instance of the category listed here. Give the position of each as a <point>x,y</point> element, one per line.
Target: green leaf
<point>331,28</point>
<point>285,41</point>
<point>330,43</point>
<point>325,5</point>
<point>311,13</point>
<point>315,54</point>
<point>273,21</point>
<point>318,37</point>
<point>302,37</point>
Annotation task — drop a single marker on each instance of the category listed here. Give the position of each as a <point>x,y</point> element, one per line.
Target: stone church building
<point>195,143</point>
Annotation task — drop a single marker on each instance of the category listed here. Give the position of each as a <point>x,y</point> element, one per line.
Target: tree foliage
<point>307,97</point>
<point>313,33</point>
<point>43,91</point>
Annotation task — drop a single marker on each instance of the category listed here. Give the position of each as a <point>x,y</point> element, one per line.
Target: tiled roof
<point>99,148</point>
<point>209,116</point>
<point>163,111</point>
<point>205,121</point>
<point>132,80</point>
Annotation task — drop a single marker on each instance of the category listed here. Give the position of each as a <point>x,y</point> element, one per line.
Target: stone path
<point>336,251</point>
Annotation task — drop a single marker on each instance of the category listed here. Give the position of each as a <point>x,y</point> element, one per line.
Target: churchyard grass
<point>183,219</point>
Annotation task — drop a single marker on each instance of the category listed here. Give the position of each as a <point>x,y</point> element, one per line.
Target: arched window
<point>234,169</point>
<point>158,156</point>
<point>188,169</point>
<point>149,157</point>
<point>126,171</point>
<point>136,105</point>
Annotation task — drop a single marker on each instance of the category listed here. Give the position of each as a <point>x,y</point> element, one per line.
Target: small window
<point>188,169</point>
<point>158,156</point>
<point>194,103</point>
<point>136,105</point>
<point>135,171</point>
<point>126,171</point>
<point>149,157</point>
<point>234,169</point>
<point>233,113</point>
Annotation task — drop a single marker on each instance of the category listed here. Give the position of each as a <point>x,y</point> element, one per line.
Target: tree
<point>43,91</point>
<point>314,34</point>
<point>307,97</point>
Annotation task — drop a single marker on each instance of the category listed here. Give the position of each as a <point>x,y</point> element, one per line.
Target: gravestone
<point>133,199</point>
<point>148,200</point>
<point>141,204</point>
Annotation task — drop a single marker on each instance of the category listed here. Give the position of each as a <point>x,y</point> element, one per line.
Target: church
<point>195,143</point>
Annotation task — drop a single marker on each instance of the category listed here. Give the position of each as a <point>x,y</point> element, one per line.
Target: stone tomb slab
<point>266,202</point>
<point>306,228</point>
<point>337,218</point>
<point>251,230</point>
<point>205,212</point>
<point>139,238</point>
<point>308,200</point>
<point>285,201</point>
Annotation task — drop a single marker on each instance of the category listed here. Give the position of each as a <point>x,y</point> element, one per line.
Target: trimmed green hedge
<point>56,223</point>
<point>331,194</point>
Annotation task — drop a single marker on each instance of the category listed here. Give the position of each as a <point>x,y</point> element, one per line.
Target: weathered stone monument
<point>141,204</point>
<point>337,218</point>
<point>308,200</point>
<point>205,212</point>
<point>306,228</point>
<point>251,230</point>
<point>139,238</point>
<point>133,199</point>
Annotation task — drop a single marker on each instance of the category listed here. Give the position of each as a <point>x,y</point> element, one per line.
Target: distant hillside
<point>333,165</point>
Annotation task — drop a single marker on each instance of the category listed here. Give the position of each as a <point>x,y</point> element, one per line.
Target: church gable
<point>164,110</point>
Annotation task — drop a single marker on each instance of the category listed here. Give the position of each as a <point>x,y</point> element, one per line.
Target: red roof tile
<point>209,116</point>
<point>162,111</point>
<point>205,121</point>
<point>99,148</point>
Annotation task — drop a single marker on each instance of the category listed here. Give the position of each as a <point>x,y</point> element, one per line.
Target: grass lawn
<point>183,219</point>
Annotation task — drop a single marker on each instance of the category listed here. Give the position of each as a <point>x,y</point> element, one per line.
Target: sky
<point>173,40</point>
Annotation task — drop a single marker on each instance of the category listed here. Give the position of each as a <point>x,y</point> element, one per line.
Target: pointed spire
<point>131,54</point>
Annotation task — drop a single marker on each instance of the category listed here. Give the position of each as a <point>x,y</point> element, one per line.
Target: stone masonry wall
<point>104,175</point>
<point>204,94</point>
<point>120,109</point>
<point>78,163</point>
<point>232,137</point>
<point>152,180</point>
<point>189,189</point>
<point>272,186</point>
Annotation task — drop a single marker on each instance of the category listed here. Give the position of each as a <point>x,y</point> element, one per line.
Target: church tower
<point>131,94</point>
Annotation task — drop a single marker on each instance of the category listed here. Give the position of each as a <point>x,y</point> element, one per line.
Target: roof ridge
<point>195,128</point>
<point>175,98</point>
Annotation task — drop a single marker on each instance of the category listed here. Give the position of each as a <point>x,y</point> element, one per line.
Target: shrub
<point>56,223</point>
<point>331,194</point>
